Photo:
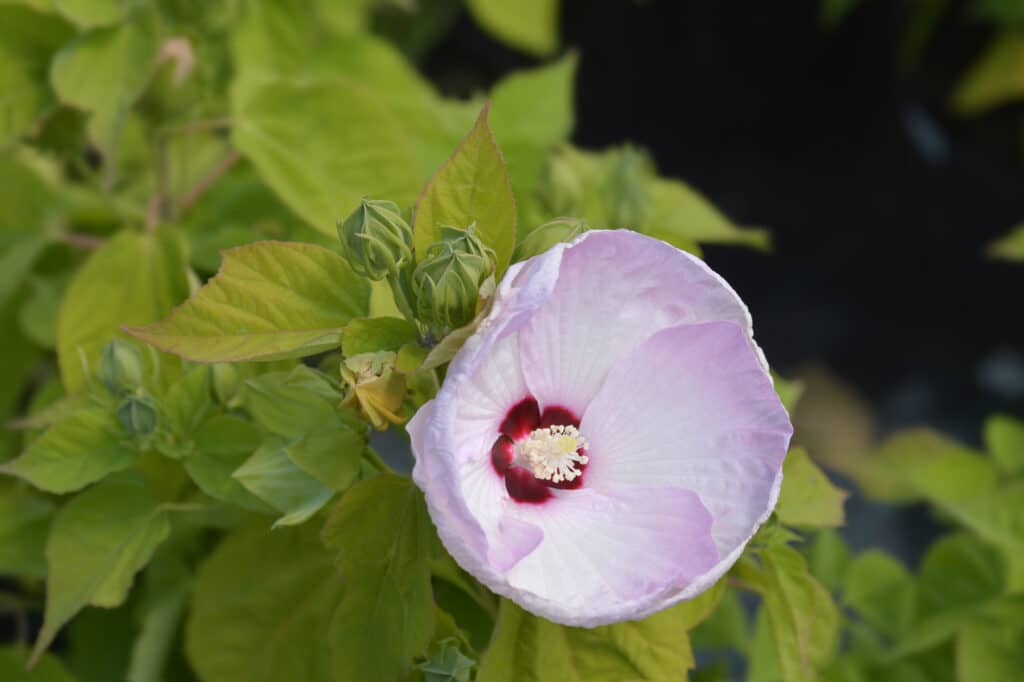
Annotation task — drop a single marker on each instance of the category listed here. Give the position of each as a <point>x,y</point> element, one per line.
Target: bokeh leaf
<point>530,25</point>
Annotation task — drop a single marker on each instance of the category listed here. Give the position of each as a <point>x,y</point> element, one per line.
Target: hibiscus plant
<point>314,374</point>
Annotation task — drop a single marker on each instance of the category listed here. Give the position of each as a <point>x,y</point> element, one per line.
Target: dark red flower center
<point>522,420</point>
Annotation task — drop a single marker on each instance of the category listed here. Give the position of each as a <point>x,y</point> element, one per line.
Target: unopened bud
<point>547,235</point>
<point>447,281</point>
<point>561,189</point>
<point>626,189</point>
<point>120,366</point>
<point>376,240</point>
<point>137,415</point>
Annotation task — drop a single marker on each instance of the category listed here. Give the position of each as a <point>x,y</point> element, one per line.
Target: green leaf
<point>47,669</point>
<point>383,539</point>
<point>292,404</point>
<point>879,588</point>
<point>270,300</point>
<point>99,540</point>
<point>803,618</point>
<point>104,71</point>
<point>358,148</point>
<point>531,111</point>
<point>529,25</point>
<point>808,498</point>
<point>16,261</point>
<point>372,334</point>
<point>167,588</point>
<point>261,608</point>
<point>223,443</point>
<point>132,279</point>
<point>915,462</point>
<point>990,650</point>
<point>332,455</point>
<point>186,402</point>
<point>270,475</point>
<point>789,391</point>
<point>24,525</point>
<point>472,186</point>
<point>27,41</point>
<point>995,78</point>
<point>828,557</point>
<point>78,450</point>
<point>89,13</point>
<point>680,215</point>
<point>526,647</point>
<point>960,578</point>
<point>1009,247</point>
<point>1004,438</point>
<point>99,644</point>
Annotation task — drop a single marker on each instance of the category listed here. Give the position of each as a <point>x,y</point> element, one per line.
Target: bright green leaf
<point>80,449</point>
<point>997,77</point>
<point>332,455</point>
<point>270,475</point>
<point>526,647</point>
<point>472,186</point>
<point>372,334</point>
<point>529,25</point>
<point>323,145</point>
<point>261,608</point>
<point>1009,247</point>
<point>168,584</point>
<point>292,404</point>
<point>879,588</point>
<point>803,618</point>
<point>383,538</point>
<point>680,215</point>
<point>132,279</point>
<point>98,541</point>
<point>270,300</point>
<point>990,651</point>
<point>808,498</point>
<point>28,39</point>
<point>223,443</point>
<point>1004,439</point>
<point>91,13</point>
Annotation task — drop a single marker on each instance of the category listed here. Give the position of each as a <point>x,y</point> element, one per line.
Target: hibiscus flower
<point>609,439</point>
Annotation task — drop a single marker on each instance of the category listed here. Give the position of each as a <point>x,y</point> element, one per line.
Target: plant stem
<point>211,178</point>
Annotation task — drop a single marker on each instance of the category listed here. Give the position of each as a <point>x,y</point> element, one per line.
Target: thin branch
<point>197,127</point>
<point>154,213</point>
<point>196,193</point>
<point>82,241</point>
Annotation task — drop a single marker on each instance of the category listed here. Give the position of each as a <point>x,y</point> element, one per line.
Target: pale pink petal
<point>615,288</point>
<point>610,555</point>
<point>692,407</point>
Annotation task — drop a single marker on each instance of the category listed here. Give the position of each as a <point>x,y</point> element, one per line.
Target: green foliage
<point>994,79</point>
<point>172,176</point>
<point>269,301</point>
<point>383,539</point>
<point>471,187</point>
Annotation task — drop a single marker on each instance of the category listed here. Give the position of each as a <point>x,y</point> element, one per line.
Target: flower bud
<point>561,189</point>
<point>137,415</point>
<point>626,189</point>
<point>447,281</point>
<point>547,235</point>
<point>374,387</point>
<point>120,366</point>
<point>376,240</point>
<point>227,382</point>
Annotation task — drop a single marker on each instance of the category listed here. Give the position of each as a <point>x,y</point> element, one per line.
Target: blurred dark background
<point>879,200</point>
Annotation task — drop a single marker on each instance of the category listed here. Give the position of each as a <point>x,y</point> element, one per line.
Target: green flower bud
<point>376,240</point>
<point>547,235</point>
<point>447,281</point>
<point>626,189</point>
<point>227,382</point>
<point>561,189</point>
<point>137,415</point>
<point>120,366</point>
<point>374,388</point>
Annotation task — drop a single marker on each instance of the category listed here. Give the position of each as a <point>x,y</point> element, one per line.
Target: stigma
<point>553,453</point>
